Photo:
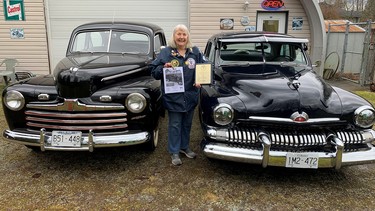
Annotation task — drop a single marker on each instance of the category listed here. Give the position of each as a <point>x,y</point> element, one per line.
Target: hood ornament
<point>299,117</point>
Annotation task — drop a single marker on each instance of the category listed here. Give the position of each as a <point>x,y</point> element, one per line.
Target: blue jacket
<point>184,101</point>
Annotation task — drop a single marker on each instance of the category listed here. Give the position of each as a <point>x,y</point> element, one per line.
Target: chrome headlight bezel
<point>223,114</point>
<point>14,100</point>
<point>135,103</point>
<point>364,117</point>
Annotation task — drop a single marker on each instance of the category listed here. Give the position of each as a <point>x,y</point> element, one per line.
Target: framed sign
<point>13,10</point>
<point>203,74</point>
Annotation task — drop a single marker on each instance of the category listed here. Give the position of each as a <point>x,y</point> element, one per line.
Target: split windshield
<point>111,41</point>
<point>261,52</point>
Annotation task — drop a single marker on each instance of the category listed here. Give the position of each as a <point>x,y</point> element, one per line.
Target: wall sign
<point>297,23</point>
<point>16,33</point>
<point>272,4</point>
<point>13,10</point>
<point>226,23</point>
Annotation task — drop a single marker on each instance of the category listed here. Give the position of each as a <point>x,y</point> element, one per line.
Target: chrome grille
<point>247,136</point>
<point>74,115</point>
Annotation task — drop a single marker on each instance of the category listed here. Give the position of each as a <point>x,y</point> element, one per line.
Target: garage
<point>63,16</point>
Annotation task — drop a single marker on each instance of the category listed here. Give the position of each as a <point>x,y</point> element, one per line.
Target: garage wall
<point>205,17</point>
<point>31,51</point>
<point>64,16</point>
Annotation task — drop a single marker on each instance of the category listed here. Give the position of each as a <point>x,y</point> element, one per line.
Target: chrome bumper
<point>89,142</point>
<point>267,157</point>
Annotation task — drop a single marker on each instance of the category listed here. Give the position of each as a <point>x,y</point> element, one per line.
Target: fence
<point>350,52</point>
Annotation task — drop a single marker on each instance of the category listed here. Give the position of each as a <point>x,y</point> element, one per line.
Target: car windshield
<point>111,41</point>
<point>274,52</point>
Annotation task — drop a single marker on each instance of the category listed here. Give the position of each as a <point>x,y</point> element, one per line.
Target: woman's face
<point>180,38</point>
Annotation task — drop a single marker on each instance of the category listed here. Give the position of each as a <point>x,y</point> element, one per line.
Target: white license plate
<point>66,138</point>
<point>296,160</point>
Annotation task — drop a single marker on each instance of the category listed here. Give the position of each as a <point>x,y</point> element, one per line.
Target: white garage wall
<point>64,16</point>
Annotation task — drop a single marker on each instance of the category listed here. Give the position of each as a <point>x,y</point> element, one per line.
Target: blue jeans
<point>179,127</point>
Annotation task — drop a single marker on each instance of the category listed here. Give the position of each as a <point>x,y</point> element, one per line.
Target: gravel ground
<point>131,178</point>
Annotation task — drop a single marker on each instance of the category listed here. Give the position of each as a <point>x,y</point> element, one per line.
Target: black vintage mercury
<point>100,95</point>
<point>267,106</point>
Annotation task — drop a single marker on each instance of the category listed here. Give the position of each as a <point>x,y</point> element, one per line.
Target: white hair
<point>181,27</point>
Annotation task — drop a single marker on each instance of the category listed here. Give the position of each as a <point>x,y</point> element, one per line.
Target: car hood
<point>281,96</point>
<point>81,75</point>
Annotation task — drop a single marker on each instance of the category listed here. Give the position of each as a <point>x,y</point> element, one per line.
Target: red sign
<point>272,4</point>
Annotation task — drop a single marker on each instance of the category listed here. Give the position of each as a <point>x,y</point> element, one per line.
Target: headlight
<point>364,116</point>
<point>135,103</point>
<point>223,114</point>
<point>14,100</point>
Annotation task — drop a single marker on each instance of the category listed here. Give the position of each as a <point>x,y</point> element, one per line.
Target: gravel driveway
<point>133,179</point>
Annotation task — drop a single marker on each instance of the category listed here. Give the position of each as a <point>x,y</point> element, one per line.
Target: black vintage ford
<point>267,106</point>
<point>100,95</point>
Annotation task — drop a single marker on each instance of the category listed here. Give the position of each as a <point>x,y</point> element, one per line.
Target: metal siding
<point>65,15</point>
<point>32,51</point>
<point>205,17</point>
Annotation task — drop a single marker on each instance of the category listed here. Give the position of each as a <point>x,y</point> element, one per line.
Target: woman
<point>180,106</point>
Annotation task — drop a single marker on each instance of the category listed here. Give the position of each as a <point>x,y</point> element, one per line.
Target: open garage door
<point>63,16</point>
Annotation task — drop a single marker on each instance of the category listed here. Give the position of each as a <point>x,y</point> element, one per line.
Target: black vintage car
<point>100,95</point>
<point>267,106</point>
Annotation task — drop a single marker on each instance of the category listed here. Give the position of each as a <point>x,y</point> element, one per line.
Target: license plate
<point>296,160</point>
<point>66,138</point>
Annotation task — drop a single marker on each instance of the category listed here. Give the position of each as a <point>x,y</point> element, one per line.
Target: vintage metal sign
<point>13,10</point>
<point>272,4</point>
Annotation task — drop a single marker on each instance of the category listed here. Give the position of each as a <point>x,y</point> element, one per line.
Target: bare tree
<point>369,12</point>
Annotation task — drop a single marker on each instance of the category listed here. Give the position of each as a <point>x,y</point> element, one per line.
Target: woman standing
<point>180,105</point>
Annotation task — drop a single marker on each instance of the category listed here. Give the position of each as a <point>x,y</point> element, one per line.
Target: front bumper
<point>277,158</point>
<point>88,143</point>
<point>265,156</point>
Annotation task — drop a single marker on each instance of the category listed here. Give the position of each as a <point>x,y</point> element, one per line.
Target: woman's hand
<point>167,65</point>
<point>197,85</point>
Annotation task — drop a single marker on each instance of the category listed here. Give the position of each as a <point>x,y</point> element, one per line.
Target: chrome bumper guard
<point>266,157</point>
<point>88,143</point>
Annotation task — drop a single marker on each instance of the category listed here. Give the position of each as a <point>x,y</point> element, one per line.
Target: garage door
<point>64,16</point>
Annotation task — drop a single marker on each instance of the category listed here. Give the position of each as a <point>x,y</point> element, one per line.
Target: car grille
<point>292,140</point>
<point>75,116</point>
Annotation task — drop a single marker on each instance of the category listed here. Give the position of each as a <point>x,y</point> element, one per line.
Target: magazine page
<point>173,80</point>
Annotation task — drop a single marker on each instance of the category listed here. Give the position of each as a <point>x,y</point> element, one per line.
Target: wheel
<point>154,139</point>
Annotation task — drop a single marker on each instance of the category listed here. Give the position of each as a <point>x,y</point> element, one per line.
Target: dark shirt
<point>184,101</point>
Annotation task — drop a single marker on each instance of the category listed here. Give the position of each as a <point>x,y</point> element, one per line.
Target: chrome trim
<point>75,127</point>
<point>121,75</point>
<point>75,115</point>
<point>105,98</point>
<point>43,97</point>
<point>278,158</point>
<point>74,105</point>
<point>266,143</point>
<point>339,145</point>
<point>288,120</point>
<point>76,121</point>
<point>89,141</point>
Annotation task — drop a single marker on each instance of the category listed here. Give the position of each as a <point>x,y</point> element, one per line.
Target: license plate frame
<point>302,160</point>
<point>66,138</point>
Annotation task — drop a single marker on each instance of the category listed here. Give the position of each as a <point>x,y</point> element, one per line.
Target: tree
<point>369,13</point>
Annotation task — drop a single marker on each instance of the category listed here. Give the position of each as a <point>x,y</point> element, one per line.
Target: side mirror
<point>317,64</point>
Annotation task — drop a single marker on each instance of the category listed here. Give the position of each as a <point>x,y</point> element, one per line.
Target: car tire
<point>154,139</point>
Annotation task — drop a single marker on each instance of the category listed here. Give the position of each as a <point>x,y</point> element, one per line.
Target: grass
<point>370,96</point>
